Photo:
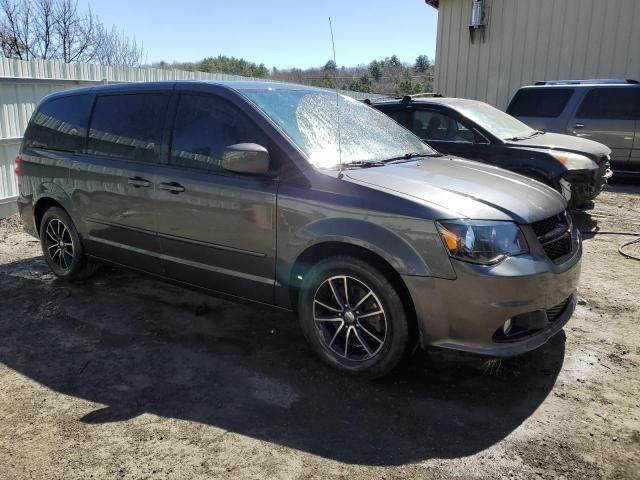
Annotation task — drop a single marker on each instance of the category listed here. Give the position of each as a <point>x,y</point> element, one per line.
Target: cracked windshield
<point>310,119</point>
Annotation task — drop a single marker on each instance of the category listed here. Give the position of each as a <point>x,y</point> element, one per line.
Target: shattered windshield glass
<point>310,119</point>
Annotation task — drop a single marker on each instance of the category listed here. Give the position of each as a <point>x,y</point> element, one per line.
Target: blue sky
<point>281,33</point>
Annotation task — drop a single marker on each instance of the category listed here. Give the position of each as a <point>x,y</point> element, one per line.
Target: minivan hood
<point>465,189</point>
<point>557,141</point>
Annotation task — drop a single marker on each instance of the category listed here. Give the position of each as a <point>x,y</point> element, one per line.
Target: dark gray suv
<point>255,191</point>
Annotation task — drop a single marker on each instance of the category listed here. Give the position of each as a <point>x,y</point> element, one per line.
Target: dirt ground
<point>127,377</point>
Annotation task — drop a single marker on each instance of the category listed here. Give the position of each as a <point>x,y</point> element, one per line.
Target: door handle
<point>173,187</point>
<point>579,125</point>
<point>138,182</point>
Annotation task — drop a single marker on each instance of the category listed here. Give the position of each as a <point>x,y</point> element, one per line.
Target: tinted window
<point>611,103</point>
<point>128,126</point>
<point>204,126</point>
<point>60,124</point>
<point>398,115</point>
<point>430,125</point>
<point>540,102</point>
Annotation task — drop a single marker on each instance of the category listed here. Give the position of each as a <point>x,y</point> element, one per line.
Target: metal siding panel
<point>533,13</point>
<point>609,34</point>
<point>8,184</point>
<point>596,34</point>
<point>531,40</point>
<point>483,53</point>
<point>557,28</point>
<point>582,35</point>
<point>542,40</point>
<point>461,76</point>
<point>494,45</point>
<point>623,44</point>
<point>567,38</point>
<point>446,48</point>
<point>633,59</point>
<point>516,62</point>
<point>502,68</point>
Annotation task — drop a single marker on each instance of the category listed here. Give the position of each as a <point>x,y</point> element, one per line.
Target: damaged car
<point>576,167</point>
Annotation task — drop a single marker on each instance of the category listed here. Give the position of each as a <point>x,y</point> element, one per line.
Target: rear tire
<point>62,247</point>
<point>353,317</point>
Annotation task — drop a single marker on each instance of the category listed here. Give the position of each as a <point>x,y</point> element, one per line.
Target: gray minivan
<point>607,111</point>
<point>261,191</point>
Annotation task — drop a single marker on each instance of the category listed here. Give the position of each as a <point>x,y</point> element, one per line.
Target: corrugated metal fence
<point>24,83</point>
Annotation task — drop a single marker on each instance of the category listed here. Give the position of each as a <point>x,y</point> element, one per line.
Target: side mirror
<point>248,158</point>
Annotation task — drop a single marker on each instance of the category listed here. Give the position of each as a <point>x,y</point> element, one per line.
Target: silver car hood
<point>465,189</point>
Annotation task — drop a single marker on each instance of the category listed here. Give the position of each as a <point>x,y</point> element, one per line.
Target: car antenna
<point>335,79</point>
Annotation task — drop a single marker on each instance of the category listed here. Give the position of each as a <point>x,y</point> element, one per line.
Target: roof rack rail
<point>409,98</point>
<point>405,98</point>
<point>368,101</point>
<point>610,81</point>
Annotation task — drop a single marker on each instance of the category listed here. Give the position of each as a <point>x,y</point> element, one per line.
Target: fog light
<point>506,328</point>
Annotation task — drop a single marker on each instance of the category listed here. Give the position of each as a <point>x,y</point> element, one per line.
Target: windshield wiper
<point>409,156</point>
<point>362,164</point>
<point>515,139</point>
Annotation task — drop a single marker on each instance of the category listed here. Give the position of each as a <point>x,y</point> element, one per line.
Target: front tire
<point>62,247</point>
<point>353,317</point>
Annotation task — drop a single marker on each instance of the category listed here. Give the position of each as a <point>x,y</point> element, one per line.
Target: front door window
<point>435,126</point>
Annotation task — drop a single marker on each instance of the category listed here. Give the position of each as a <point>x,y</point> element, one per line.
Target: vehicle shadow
<point>138,345</point>
<point>586,223</point>
<point>587,220</point>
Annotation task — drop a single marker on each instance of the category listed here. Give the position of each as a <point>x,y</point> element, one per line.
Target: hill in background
<point>388,76</point>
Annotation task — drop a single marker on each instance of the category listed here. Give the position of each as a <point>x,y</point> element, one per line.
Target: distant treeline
<point>388,76</point>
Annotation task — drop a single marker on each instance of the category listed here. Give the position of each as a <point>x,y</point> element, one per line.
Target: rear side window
<point>540,102</point>
<point>610,103</point>
<point>60,124</point>
<point>128,126</point>
<point>204,126</point>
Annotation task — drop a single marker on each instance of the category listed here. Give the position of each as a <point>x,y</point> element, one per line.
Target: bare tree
<point>115,48</point>
<point>44,21</point>
<point>76,32</point>
<point>56,29</point>
<point>16,29</point>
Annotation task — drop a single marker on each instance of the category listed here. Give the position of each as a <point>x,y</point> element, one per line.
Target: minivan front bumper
<point>469,313</point>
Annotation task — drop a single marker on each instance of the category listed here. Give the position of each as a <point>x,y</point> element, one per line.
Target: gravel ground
<point>126,377</point>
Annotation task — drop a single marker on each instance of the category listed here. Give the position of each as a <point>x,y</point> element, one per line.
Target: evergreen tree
<point>375,70</point>
<point>422,64</point>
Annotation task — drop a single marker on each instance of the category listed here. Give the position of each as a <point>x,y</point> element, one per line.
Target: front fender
<point>401,255</point>
<point>411,246</point>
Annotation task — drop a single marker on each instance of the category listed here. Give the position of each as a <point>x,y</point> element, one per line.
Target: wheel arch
<point>47,195</point>
<point>326,249</point>
<point>536,164</point>
<point>41,206</point>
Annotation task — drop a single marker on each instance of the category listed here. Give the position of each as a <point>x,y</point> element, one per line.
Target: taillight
<point>16,168</point>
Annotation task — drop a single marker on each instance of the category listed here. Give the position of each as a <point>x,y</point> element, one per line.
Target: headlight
<point>482,241</point>
<point>574,161</point>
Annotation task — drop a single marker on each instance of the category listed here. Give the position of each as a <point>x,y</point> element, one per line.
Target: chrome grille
<point>559,247</point>
<point>547,225</point>
<point>554,235</point>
